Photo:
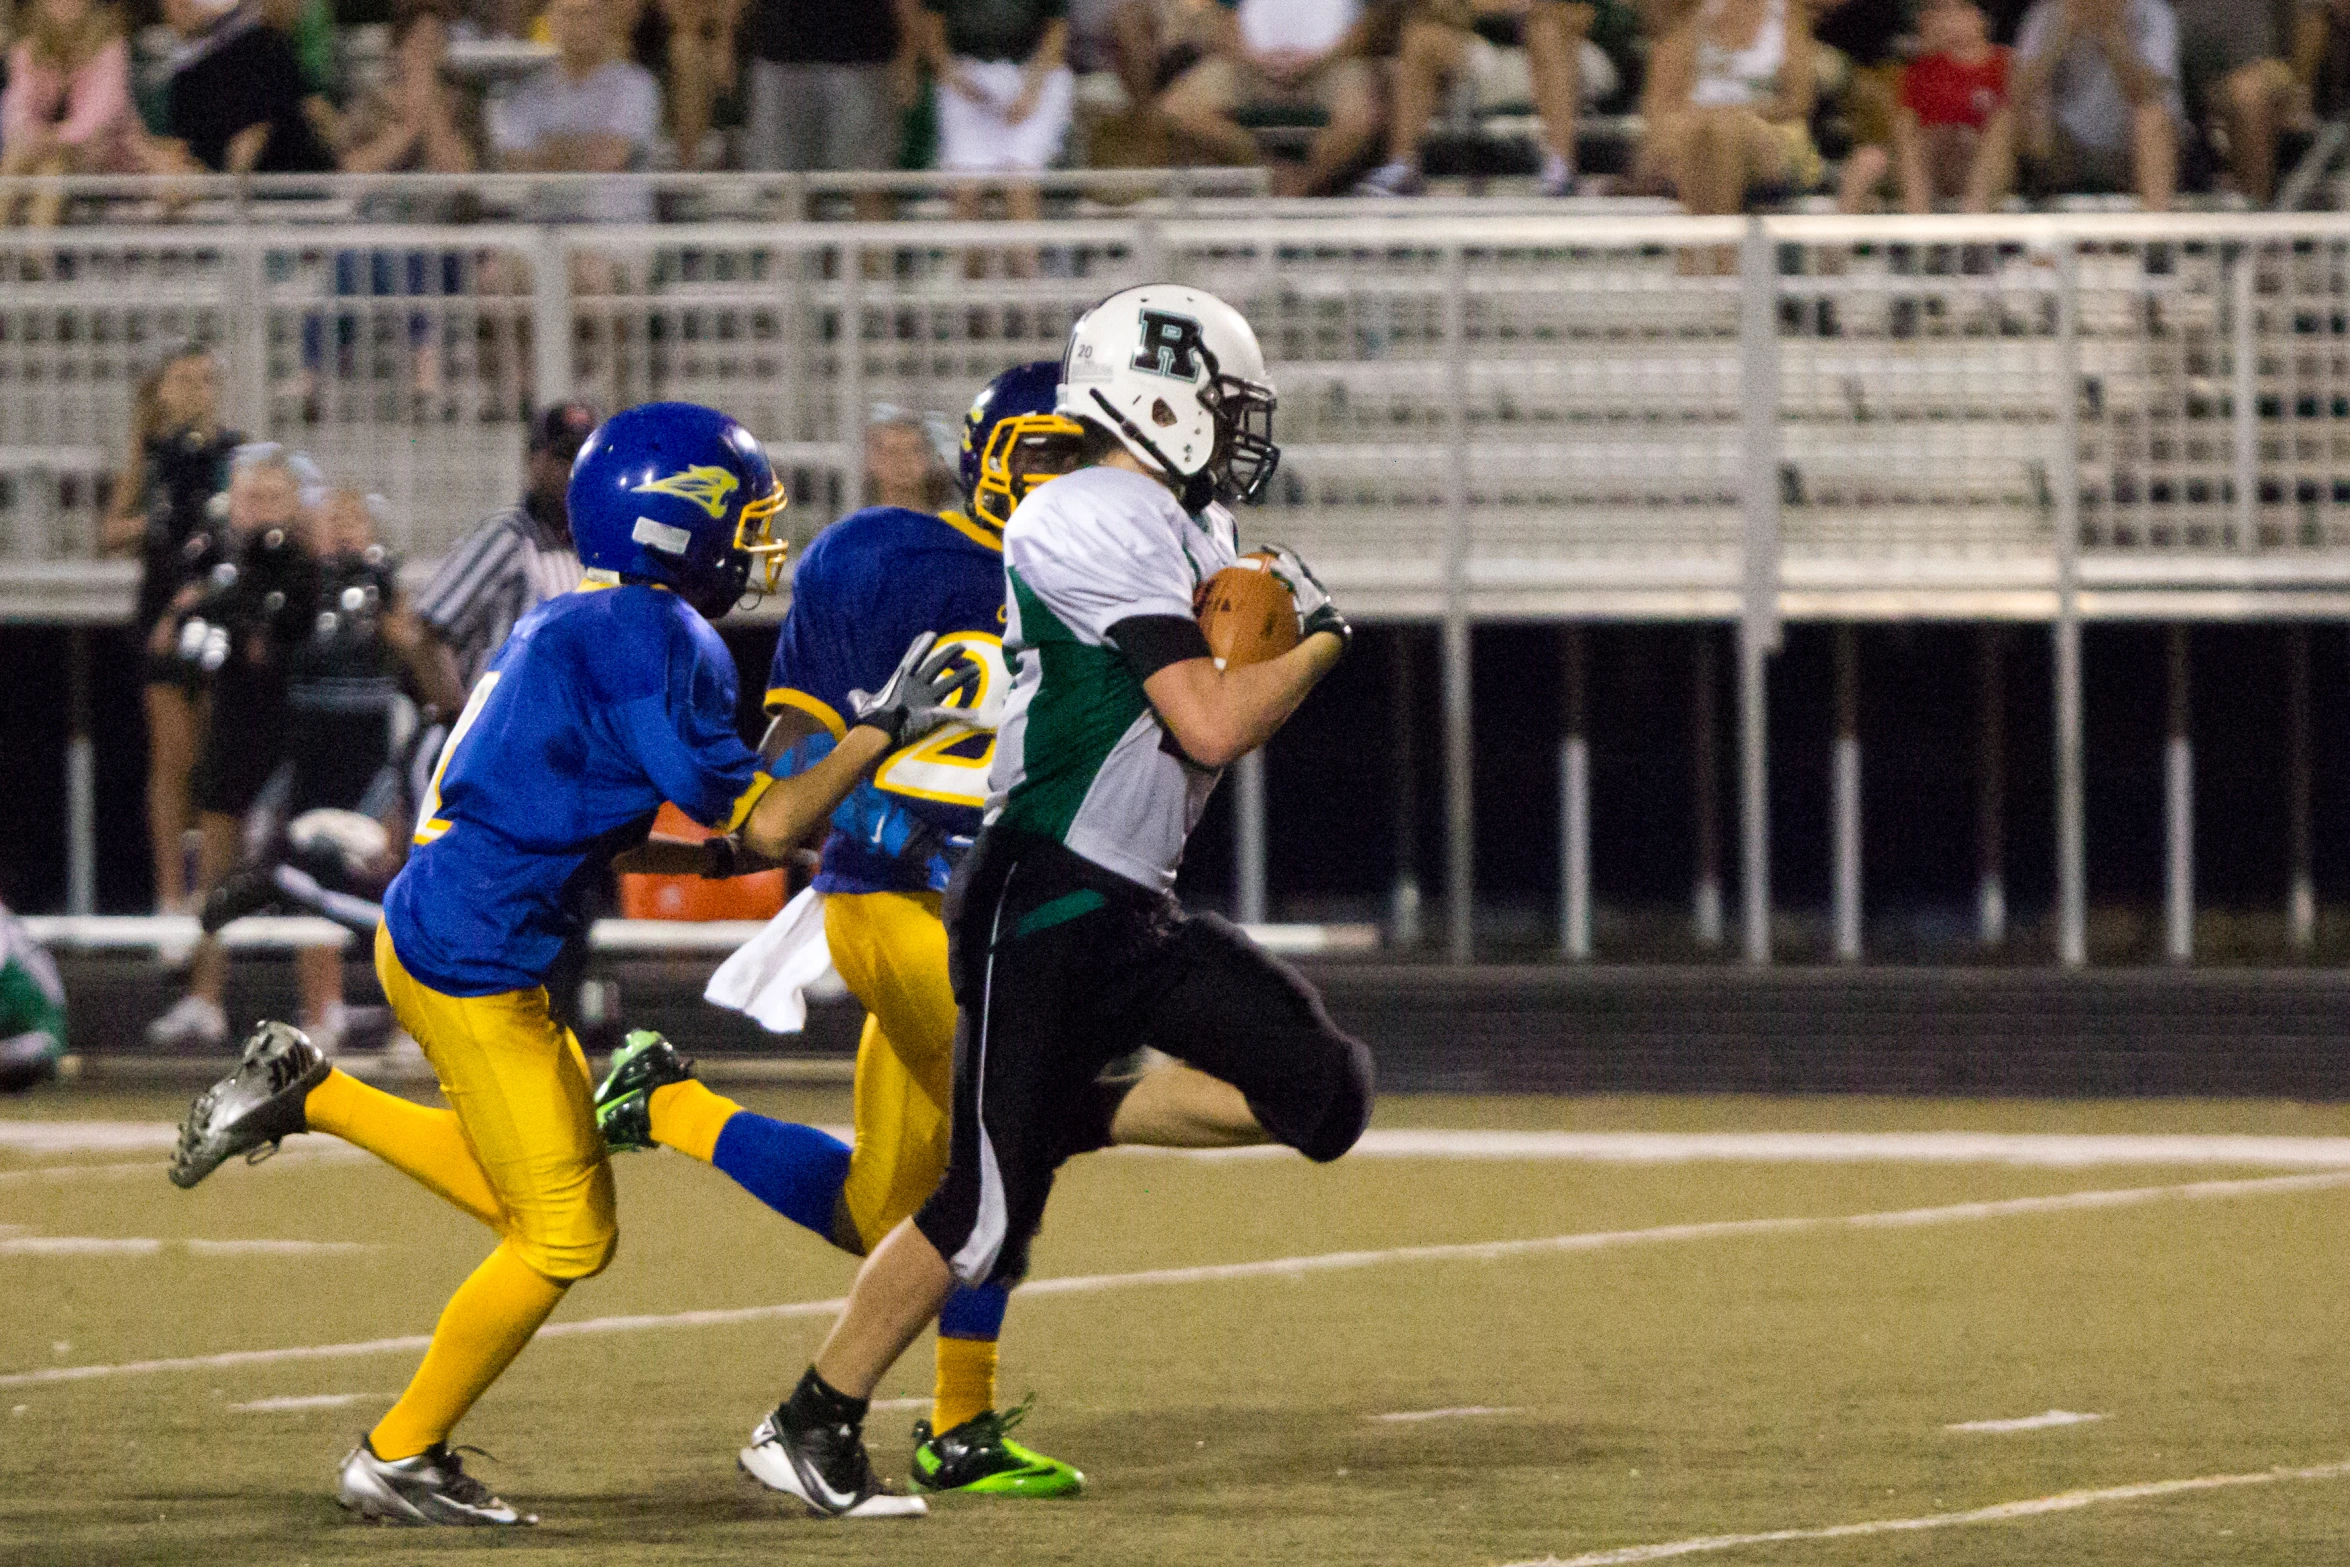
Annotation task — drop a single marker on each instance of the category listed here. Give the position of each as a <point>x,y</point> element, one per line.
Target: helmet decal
<point>1171,345</point>
<point>706,486</point>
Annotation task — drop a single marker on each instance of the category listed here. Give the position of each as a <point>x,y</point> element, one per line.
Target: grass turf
<point>1719,1385</point>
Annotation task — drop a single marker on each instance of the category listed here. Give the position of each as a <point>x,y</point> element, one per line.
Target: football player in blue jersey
<point>864,587</point>
<point>602,704</point>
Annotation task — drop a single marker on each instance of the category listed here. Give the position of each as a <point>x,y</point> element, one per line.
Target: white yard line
<point>301,1401</point>
<point>2040,1506</point>
<point>2032,1150</point>
<point>1465,1410</point>
<point>1287,1268</point>
<point>20,1245</point>
<point>2043,1422</point>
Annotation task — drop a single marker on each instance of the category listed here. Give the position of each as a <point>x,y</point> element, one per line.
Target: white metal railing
<point>1528,413</point>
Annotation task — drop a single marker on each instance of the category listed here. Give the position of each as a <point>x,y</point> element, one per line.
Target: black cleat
<point>624,1100</point>
<point>825,1466</point>
<point>249,1111</point>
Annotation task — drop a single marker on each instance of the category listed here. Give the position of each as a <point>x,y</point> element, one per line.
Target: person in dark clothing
<point>178,461</point>
<point>234,101</point>
<point>827,79</point>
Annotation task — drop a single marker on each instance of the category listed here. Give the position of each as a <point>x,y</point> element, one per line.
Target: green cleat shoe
<point>980,1459</point>
<point>624,1100</point>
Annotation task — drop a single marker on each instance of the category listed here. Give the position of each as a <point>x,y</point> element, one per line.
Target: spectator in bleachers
<point>1434,49</point>
<point>234,103</point>
<point>178,461</point>
<point>1728,105</point>
<point>420,119</point>
<point>1283,57</point>
<point>903,466</point>
<point>699,61</point>
<point>1857,42</point>
<point>827,81</point>
<point>588,111</point>
<point>2321,57</point>
<point>2232,64</point>
<point>67,106</point>
<point>1954,132</point>
<point>2097,93</point>
<point>1005,92</point>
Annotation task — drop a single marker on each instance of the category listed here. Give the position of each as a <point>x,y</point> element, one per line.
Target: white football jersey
<point>1081,756</point>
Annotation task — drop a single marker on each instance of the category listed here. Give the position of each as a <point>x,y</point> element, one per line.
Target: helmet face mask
<point>755,538</point>
<point>1245,459</point>
<point>1022,452</point>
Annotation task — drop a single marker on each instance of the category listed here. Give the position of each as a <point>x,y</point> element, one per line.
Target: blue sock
<point>796,1170</point>
<point>975,1311</point>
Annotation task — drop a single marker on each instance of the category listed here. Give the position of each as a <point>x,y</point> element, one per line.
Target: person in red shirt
<point>1954,136</point>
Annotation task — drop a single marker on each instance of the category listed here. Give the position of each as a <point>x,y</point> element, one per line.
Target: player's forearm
<point>1218,716</point>
<point>794,807</point>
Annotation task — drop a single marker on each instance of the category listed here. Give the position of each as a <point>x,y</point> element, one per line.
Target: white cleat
<point>193,1021</point>
<point>430,1489</point>
<point>826,1468</point>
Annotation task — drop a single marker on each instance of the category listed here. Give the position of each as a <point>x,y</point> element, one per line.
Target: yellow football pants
<point>524,1101</point>
<point>891,950</point>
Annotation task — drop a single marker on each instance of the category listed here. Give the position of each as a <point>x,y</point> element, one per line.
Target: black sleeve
<point>1152,642</point>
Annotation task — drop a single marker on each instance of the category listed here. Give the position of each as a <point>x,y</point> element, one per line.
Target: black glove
<point>1315,612</point>
<point>913,701</point>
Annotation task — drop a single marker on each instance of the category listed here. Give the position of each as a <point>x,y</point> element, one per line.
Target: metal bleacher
<point>1527,412</point>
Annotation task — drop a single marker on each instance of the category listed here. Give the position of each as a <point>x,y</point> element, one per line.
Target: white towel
<point>769,975</point>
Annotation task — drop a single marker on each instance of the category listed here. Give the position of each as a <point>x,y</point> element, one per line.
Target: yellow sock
<point>966,1381</point>
<point>688,1117</point>
<point>484,1326</point>
<point>427,1145</point>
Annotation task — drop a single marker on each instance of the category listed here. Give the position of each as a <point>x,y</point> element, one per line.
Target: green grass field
<point>1641,1390</point>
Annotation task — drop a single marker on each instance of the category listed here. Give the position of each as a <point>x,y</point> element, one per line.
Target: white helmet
<point>1176,374</point>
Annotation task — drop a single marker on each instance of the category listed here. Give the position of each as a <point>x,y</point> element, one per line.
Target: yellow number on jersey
<point>429,824</point>
<point>950,764</point>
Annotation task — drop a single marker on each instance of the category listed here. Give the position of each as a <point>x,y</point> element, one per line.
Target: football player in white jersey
<point>1067,947</point>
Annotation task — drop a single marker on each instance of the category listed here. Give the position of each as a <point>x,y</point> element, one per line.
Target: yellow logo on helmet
<point>705,485</point>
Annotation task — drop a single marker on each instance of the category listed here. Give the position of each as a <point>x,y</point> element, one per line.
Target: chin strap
<point>1193,490</point>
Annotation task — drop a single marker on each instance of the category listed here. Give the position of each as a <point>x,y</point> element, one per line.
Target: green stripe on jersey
<point>1068,906</point>
<point>1086,699</point>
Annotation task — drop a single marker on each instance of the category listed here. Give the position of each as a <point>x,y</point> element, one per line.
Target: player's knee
<point>1346,1104</point>
<point>571,1243</point>
<point>571,1258</point>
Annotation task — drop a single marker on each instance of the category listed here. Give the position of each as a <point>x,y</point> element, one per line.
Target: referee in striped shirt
<point>516,559</point>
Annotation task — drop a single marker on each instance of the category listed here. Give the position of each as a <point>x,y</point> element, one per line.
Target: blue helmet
<point>1013,441</point>
<point>680,495</point>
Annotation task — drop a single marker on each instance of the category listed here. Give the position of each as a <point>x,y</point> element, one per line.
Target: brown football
<point>1246,613</point>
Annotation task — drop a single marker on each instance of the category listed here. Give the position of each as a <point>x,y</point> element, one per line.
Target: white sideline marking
<point>2043,1422</point>
<point>899,1403</point>
<point>272,1406</point>
<point>2023,1150</point>
<point>2063,1502</point>
<point>1281,1268</point>
<point>48,1137</point>
<point>1444,1414</point>
<point>148,1246</point>
<point>78,1246</point>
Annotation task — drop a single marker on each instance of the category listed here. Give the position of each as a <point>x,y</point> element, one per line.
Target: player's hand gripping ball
<point>1247,614</point>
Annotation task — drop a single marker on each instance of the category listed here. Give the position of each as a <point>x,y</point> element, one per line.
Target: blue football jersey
<point>865,588</point>
<point>599,706</point>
